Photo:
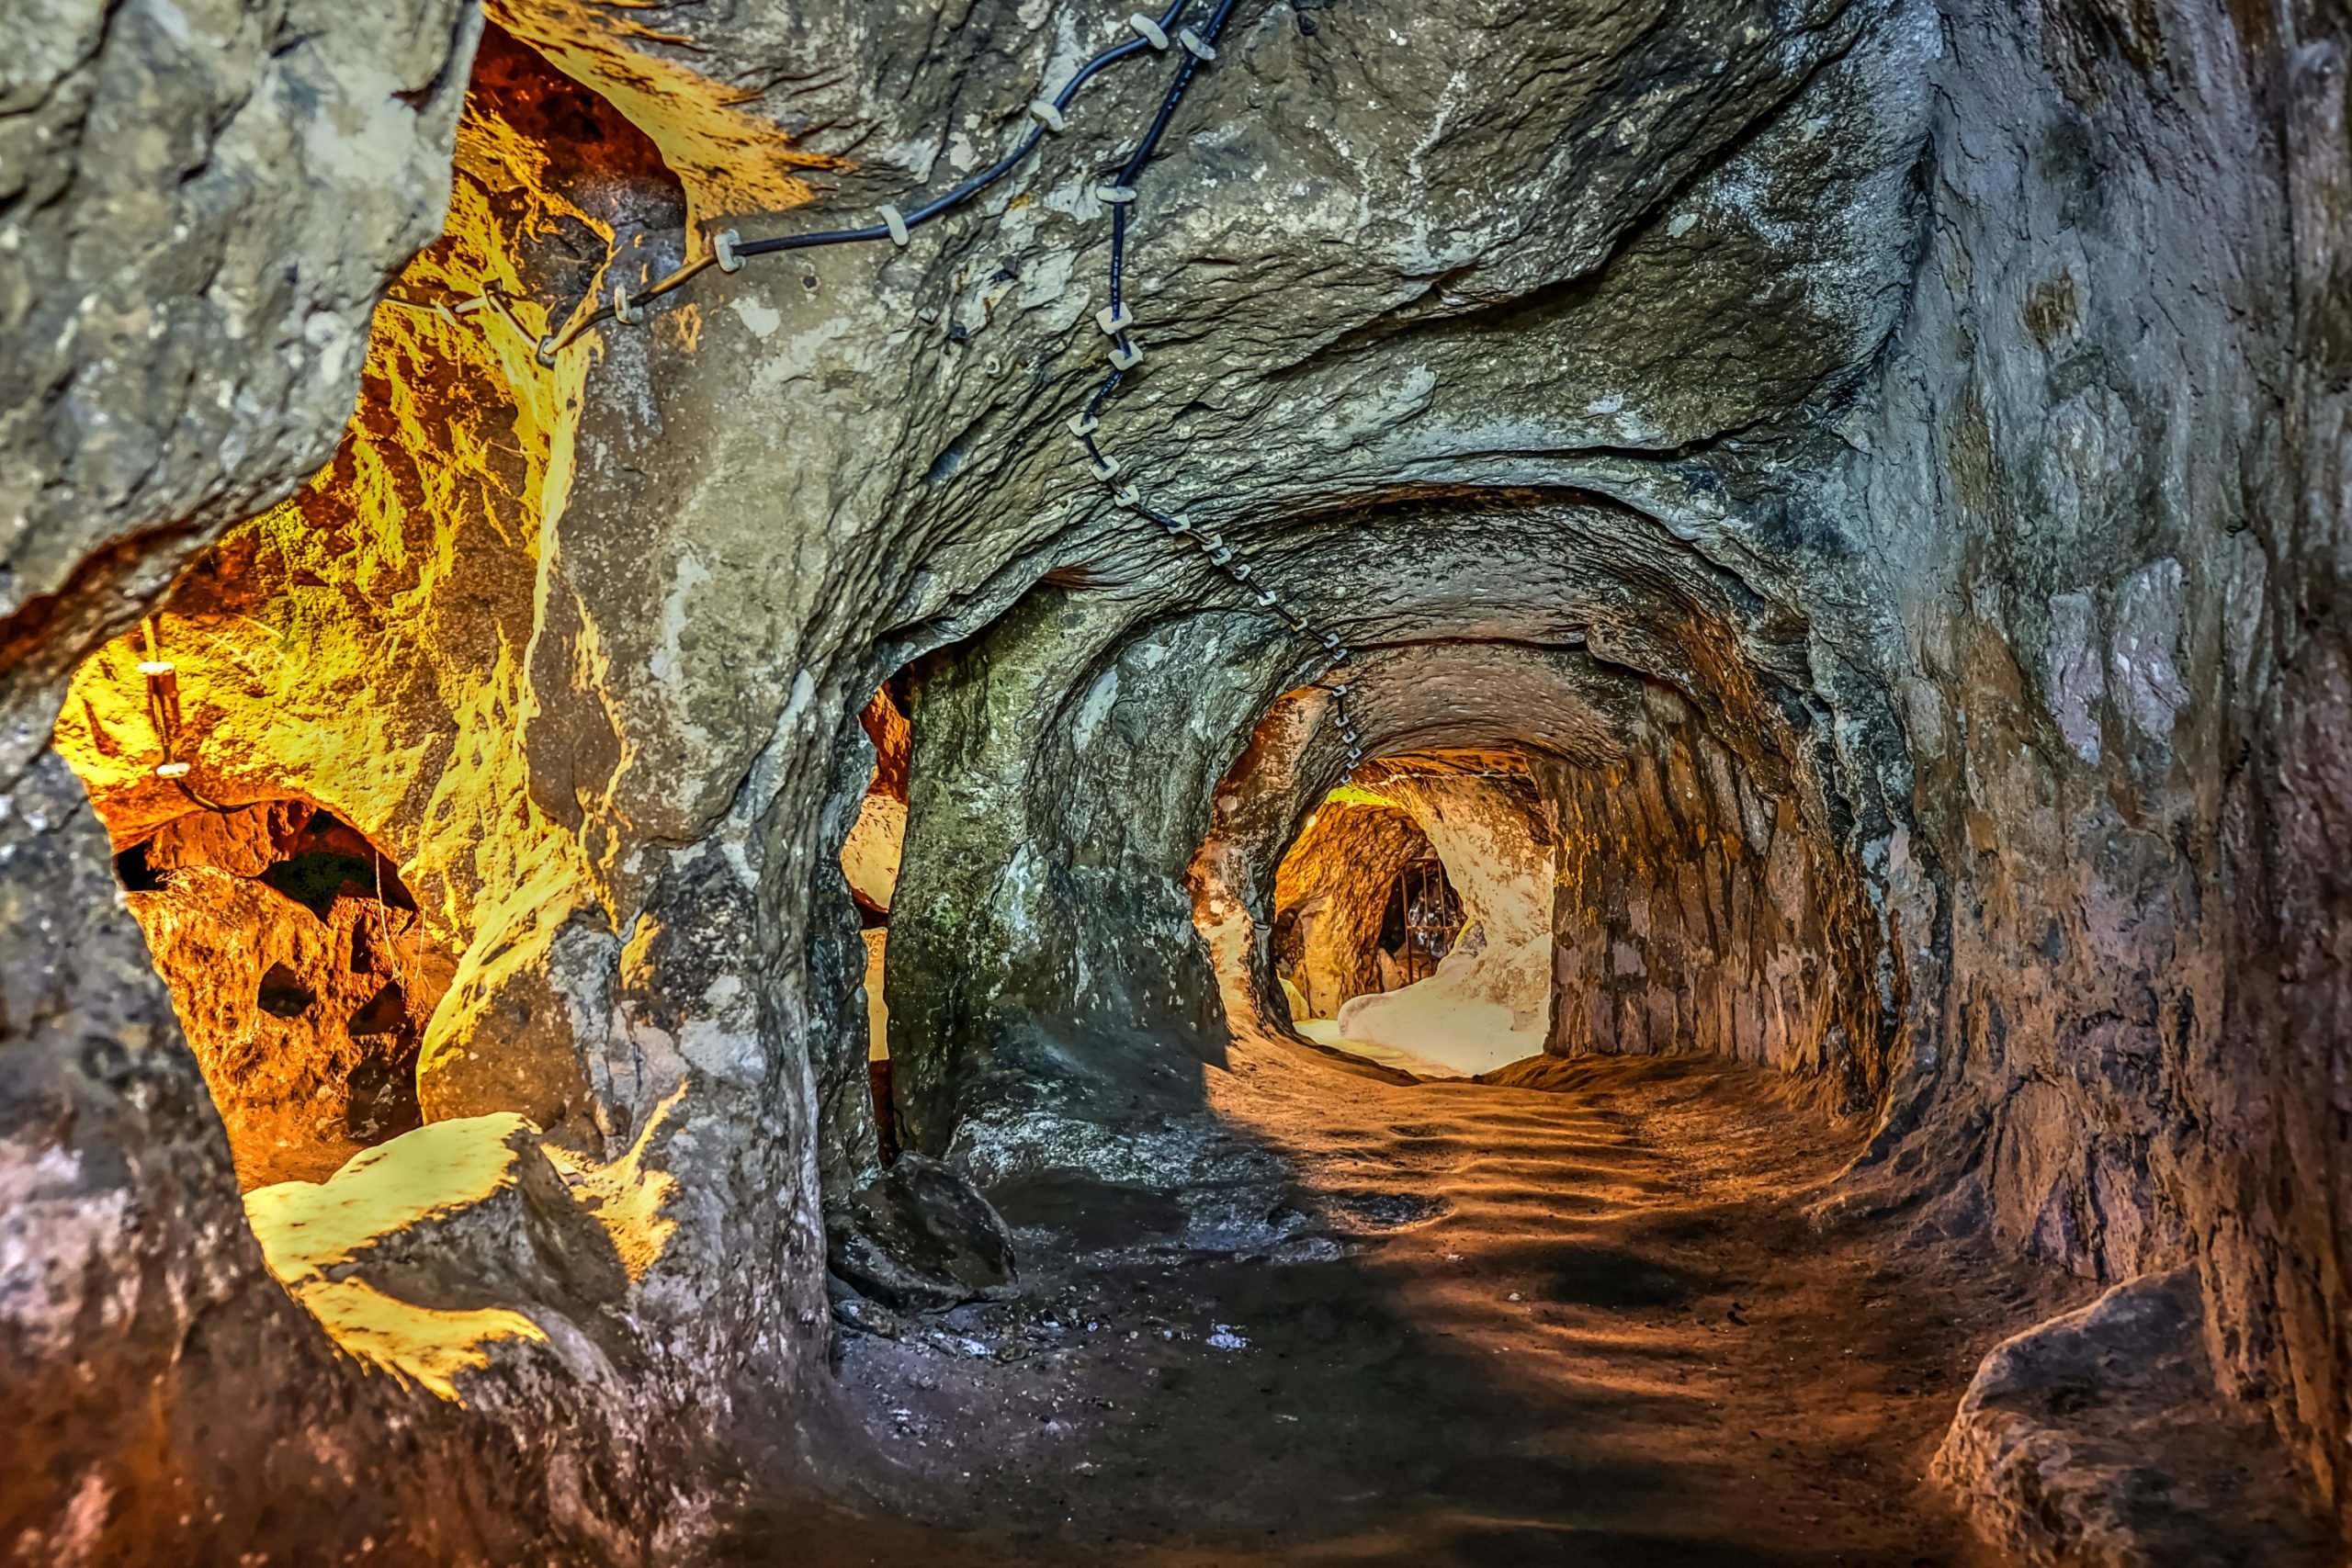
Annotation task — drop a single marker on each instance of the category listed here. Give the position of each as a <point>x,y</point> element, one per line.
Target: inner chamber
<point>1412,920</point>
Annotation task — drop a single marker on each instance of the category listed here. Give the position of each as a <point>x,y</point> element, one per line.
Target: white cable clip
<point>1106,466</point>
<point>545,353</point>
<point>1127,496</point>
<point>1221,555</point>
<point>1114,320</point>
<point>1265,598</point>
<point>724,244</point>
<point>1210,541</point>
<point>1330,639</point>
<point>1194,46</point>
<point>154,667</point>
<point>896,224</point>
<point>1153,33</point>
<point>1126,358</point>
<point>1241,574</point>
<point>1176,524</point>
<point>1083,423</point>
<point>1115,195</point>
<point>171,769</point>
<point>622,310</point>
<point>1045,113</point>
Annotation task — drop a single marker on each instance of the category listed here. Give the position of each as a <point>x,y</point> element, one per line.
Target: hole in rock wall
<point>301,973</point>
<point>1640,871</point>
<point>310,763</point>
<point>870,862</point>
<point>1419,924</point>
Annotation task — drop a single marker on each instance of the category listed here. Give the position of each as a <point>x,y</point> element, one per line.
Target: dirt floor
<point>1585,1323</point>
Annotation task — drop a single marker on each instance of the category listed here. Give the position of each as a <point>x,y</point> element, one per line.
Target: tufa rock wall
<point>1944,403</point>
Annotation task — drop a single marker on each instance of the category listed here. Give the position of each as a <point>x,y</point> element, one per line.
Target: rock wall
<point>1943,403</point>
<point>1697,910</point>
<point>200,207</point>
<point>300,976</point>
<point>217,199</point>
<point>2109,395</point>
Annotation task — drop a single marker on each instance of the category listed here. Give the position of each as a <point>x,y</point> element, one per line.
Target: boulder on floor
<point>920,1238</point>
<point>429,1254</point>
<point>2092,1440</point>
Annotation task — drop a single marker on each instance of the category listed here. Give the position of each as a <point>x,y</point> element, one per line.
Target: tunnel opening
<point>1409,919</point>
<point>869,862</point>
<point>300,967</point>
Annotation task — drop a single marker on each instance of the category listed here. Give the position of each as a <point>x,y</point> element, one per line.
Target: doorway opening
<point>1422,921</point>
<point>1412,916</point>
<point>870,858</point>
<point>301,973</point>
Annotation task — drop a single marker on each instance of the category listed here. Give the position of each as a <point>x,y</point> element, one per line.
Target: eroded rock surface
<point>1880,461</point>
<point>921,1237</point>
<point>2098,1439</point>
<point>428,1256</point>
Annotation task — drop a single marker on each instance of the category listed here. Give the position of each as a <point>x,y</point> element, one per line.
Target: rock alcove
<point>668,893</point>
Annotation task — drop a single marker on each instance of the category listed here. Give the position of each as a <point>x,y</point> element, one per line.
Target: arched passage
<point>302,975</point>
<point>1412,916</point>
<point>1908,603</point>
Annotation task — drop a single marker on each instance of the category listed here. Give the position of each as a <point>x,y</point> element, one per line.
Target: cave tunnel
<point>1280,783</point>
<point>1427,886</point>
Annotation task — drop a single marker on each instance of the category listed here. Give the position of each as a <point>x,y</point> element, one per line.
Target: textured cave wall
<point>217,198</point>
<point>301,977</point>
<point>198,205</point>
<point>2115,396</point>
<point>2286,818</point>
<point>362,645</point>
<point>1041,959</point>
<point>175,181</point>
<point>1924,372</point>
<point>1698,909</point>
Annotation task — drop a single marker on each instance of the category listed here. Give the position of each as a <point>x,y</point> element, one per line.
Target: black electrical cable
<point>1128,175</point>
<point>1133,169</point>
<point>930,211</point>
<point>1197,49</point>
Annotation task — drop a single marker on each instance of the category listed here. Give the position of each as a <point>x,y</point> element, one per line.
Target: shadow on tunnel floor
<point>1473,1325</point>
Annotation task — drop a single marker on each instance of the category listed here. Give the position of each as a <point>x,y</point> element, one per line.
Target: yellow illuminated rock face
<point>410,1194</point>
<point>1331,889</point>
<point>462,1241</point>
<point>734,160</point>
<point>362,648</point>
